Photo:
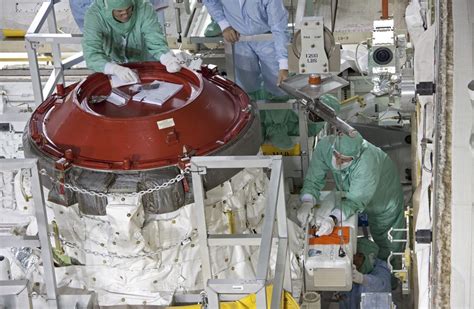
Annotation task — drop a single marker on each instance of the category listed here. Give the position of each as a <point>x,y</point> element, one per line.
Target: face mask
<point>342,166</point>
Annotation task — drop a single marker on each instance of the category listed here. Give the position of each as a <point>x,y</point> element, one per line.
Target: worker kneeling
<point>369,183</point>
<point>369,275</point>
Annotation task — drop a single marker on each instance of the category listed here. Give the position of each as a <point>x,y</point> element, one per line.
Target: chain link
<point>158,187</point>
<point>156,252</point>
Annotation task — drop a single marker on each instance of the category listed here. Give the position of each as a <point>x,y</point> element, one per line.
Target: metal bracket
<point>425,88</point>
<point>34,44</point>
<point>423,236</point>
<point>200,170</point>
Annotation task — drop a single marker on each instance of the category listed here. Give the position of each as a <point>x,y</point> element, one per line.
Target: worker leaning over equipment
<point>123,31</point>
<point>369,274</point>
<point>255,61</point>
<point>79,8</point>
<point>369,183</point>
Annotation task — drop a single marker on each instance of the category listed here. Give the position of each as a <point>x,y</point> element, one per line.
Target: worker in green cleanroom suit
<point>122,31</point>
<point>279,125</point>
<point>369,181</point>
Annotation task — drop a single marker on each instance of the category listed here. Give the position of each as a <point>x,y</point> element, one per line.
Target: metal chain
<point>158,251</point>
<point>158,187</point>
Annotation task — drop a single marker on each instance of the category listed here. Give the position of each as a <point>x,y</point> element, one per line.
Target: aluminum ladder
<point>12,287</point>
<point>232,289</point>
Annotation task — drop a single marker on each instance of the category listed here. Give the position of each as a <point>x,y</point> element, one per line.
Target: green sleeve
<point>93,41</point>
<point>364,179</point>
<point>316,176</point>
<point>155,41</point>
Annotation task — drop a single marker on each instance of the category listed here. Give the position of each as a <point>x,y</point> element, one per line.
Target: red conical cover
<point>207,113</point>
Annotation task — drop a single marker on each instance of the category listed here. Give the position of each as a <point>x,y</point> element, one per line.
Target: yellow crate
<point>271,150</point>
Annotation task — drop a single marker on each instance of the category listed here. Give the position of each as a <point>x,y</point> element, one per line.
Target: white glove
<point>171,63</point>
<point>125,74</point>
<point>357,277</point>
<point>340,216</point>
<point>305,213</point>
<point>326,227</point>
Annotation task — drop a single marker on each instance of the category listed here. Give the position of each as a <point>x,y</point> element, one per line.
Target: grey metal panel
<point>19,241</point>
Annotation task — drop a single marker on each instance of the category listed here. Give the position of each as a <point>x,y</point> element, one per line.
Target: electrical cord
<point>357,62</point>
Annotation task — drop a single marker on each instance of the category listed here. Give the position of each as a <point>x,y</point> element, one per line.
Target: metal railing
<point>41,240</point>
<point>274,219</point>
<point>33,39</point>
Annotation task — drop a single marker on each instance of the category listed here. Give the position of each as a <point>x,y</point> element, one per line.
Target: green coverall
<point>279,125</point>
<point>107,40</point>
<point>371,184</point>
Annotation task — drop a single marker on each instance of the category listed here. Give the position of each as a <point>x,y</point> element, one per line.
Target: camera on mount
<point>382,55</point>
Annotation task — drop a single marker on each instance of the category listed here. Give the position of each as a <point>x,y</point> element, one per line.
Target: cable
<point>357,63</point>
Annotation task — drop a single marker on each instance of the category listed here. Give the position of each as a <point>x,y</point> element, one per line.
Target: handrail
<point>34,38</point>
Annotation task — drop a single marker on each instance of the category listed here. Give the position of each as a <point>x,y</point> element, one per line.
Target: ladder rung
<point>234,239</point>
<point>235,286</point>
<point>12,287</point>
<point>19,241</point>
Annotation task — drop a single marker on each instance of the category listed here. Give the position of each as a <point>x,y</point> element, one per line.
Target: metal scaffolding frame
<point>275,211</point>
<point>34,38</point>
<point>41,240</point>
